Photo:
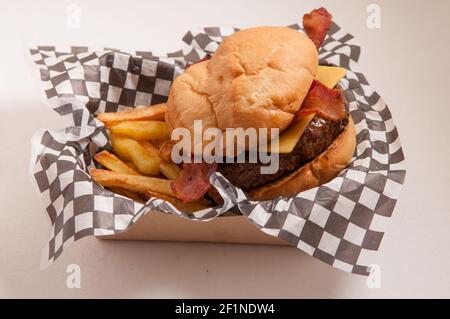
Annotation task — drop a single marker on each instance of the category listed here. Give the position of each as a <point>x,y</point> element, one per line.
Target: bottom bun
<point>321,170</point>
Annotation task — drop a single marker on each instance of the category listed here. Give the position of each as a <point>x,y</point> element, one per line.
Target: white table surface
<point>406,61</point>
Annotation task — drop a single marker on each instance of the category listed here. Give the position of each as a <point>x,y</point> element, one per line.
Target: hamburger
<point>266,77</point>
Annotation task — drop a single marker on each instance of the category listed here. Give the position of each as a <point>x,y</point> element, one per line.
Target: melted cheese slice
<point>327,75</point>
<point>330,75</point>
<point>290,137</point>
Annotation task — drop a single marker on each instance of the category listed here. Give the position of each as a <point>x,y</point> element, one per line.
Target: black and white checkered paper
<point>341,223</point>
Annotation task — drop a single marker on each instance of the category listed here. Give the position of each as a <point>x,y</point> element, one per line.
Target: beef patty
<point>318,136</point>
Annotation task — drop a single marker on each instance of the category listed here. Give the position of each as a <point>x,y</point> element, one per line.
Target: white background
<point>406,61</point>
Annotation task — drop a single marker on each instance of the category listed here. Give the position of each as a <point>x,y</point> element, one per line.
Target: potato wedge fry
<point>121,147</point>
<point>150,147</point>
<point>131,165</point>
<point>131,150</point>
<point>126,193</point>
<point>142,130</point>
<point>159,143</point>
<point>169,170</point>
<point>148,113</point>
<point>139,184</point>
<point>113,163</point>
<point>191,207</point>
<point>165,151</point>
<point>145,163</point>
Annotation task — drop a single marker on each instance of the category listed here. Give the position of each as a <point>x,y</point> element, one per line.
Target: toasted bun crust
<point>320,171</point>
<point>258,78</point>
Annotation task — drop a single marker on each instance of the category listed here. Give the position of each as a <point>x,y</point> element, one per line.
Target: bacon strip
<point>328,103</point>
<point>316,24</point>
<point>193,182</point>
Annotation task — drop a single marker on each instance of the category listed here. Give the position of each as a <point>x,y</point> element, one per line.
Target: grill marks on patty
<point>318,136</point>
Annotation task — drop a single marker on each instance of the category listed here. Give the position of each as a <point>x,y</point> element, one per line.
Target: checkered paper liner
<point>341,223</point>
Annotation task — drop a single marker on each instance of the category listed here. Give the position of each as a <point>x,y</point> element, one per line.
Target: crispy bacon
<point>328,103</point>
<point>316,24</point>
<point>193,182</point>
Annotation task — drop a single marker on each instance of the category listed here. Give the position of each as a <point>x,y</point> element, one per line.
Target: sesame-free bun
<point>321,170</point>
<point>258,78</point>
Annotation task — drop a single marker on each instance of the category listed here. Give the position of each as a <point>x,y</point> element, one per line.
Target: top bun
<point>258,78</point>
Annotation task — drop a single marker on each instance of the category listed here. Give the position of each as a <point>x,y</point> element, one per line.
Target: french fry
<point>131,150</point>
<point>150,148</point>
<point>138,184</point>
<point>148,113</point>
<point>191,207</point>
<point>169,170</point>
<point>131,165</point>
<point>142,130</point>
<point>113,163</point>
<point>159,143</point>
<point>126,193</point>
<point>165,151</point>
<point>121,147</point>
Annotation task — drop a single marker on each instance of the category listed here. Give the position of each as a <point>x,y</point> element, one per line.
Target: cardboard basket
<point>156,226</point>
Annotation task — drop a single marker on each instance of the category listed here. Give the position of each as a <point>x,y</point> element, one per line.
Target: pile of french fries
<point>135,169</point>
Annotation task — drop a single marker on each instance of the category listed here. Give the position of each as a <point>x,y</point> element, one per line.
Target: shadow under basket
<point>233,229</point>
